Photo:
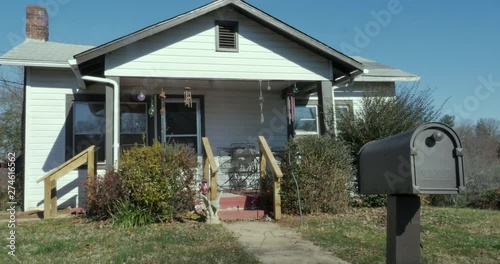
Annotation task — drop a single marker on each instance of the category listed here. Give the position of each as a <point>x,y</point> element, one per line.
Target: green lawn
<point>448,235</point>
<point>75,240</point>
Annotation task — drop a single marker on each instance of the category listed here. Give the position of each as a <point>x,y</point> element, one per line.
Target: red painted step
<point>241,215</point>
<point>239,202</point>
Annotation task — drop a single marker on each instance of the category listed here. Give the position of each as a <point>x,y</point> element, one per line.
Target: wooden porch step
<point>232,215</point>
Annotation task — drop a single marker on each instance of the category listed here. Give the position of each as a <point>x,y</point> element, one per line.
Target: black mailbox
<point>425,160</point>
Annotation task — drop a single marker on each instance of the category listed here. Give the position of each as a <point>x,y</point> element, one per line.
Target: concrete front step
<point>239,202</point>
<point>229,215</point>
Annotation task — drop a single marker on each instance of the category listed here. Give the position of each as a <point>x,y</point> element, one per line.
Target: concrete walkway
<point>271,243</point>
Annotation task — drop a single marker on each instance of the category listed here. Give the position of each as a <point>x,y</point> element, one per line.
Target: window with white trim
<point>306,120</point>
<point>343,108</point>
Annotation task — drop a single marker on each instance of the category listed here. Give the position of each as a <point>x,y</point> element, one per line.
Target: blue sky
<point>453,45</point>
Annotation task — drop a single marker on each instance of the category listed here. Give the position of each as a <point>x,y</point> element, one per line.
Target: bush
<point>127,214</point>
<point>486,200</point>
<point>103,192</point>
<point>323,168</point>
<point>383,114</point>
<point>160,178</point>
<point>369,200</point>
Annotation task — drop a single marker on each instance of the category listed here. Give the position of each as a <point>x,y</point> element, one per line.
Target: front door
<point>183,123</point>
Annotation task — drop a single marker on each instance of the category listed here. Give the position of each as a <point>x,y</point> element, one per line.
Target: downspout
<point>116,114</point>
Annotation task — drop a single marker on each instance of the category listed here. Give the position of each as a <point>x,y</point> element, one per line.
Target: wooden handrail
<point>209,169</point>
<point>267,160</point>
<point>50,179</point>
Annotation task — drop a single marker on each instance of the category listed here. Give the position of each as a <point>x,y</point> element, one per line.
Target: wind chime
<point>188,98</point>
<point>261,99</point>
<point>163,100</point>
<point>290,104</point>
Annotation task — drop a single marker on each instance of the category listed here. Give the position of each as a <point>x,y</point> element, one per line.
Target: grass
<point>76,240</point>
<point>448,235</point>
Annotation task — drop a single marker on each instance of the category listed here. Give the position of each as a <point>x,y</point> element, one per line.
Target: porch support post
<point>110,102</point>
<point>325,106</point>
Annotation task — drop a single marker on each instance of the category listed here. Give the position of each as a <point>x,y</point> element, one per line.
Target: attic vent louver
<point>227,36</point>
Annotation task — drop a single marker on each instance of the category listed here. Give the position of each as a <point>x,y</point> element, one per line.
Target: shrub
<point>127,214</point>
<point>160,178</point>
<point>486,200</point>
<point>103,192</point>
<point>383,114</point>
<point>323,168</point>
<point>369,200</point>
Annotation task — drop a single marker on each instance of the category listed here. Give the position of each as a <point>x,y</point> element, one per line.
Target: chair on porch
<point>240,163</point>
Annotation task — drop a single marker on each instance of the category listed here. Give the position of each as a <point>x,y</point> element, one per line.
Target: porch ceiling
<point>209,84</point>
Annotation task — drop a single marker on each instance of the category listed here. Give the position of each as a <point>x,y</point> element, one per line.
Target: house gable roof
<point>344,65</point>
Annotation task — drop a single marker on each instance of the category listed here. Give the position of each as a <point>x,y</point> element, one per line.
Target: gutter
<point>116,105</point>
<point>47,64</point>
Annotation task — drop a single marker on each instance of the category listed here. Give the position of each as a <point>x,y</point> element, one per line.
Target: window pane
<point>82,142</point>
<point>181,120</point>
<point>133,119</point>
<point>89,126</point>
<point>305,119</point>
<point>129,140</point>
<point>341,111</point>
<point>89,118</point>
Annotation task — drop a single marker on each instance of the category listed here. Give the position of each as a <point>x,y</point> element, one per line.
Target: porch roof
<point>378,72</point>
<point>344,66</point>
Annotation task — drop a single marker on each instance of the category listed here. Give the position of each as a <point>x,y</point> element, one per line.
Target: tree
<point>448,119</point>
<point>488,127</point>
<point>383,115</point>
<point>481,155</point>
<point>11,107</point>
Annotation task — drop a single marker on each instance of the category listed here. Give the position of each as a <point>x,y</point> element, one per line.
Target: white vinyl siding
<point>356,92</point>
<point>189,51</point>
<point>46,92</point>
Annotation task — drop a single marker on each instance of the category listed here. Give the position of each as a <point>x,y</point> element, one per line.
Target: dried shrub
<point>486,200</point>
<point>323,168</point>
<point>103,192</point>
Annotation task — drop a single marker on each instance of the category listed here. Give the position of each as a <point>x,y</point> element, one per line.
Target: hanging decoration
<point>151,111</point>
<point>141,96</point>
<point>261,99</point>
<point>268,85</point>
<point>295,89</point>
<point>188,99</point>
<point>163,99</point>
<point>290,103</point>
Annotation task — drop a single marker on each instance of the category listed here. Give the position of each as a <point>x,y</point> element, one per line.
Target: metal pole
<point>403,229</point>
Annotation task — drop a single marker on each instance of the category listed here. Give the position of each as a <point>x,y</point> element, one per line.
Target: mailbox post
<point>425,160</point>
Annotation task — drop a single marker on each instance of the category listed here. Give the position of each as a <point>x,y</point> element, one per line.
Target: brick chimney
<point>37,23</point>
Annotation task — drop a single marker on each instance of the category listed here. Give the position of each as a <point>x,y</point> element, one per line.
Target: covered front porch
<point>228,112</point>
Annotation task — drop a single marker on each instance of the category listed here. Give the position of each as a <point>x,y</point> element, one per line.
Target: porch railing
<point>50,180</point>
<point>267,160</point>
<point>209,169</point>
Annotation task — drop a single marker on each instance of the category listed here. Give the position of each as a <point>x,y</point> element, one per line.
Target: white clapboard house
<point>222,58</point>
